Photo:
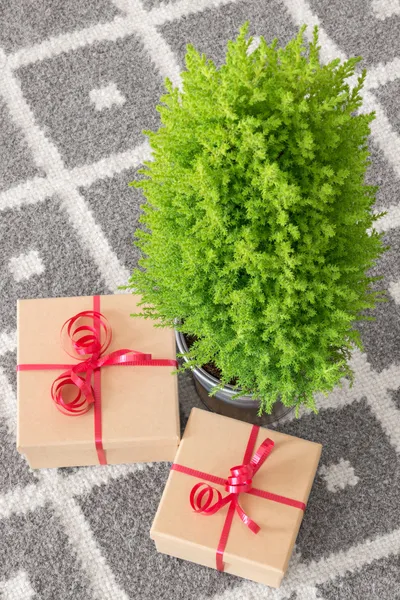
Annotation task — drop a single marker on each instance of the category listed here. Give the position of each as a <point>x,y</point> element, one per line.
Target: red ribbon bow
<point>239,482</point>
<point>85,375</point>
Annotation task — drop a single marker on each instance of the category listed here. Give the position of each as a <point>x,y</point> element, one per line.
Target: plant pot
<point>243,408</point>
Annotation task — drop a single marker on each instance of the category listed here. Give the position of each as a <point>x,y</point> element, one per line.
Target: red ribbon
<point>239,482</point>
<point>85,376</point>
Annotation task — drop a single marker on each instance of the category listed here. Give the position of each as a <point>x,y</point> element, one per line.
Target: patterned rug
<point>78,83</point>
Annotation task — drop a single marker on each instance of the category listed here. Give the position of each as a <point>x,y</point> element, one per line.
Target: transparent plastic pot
<point>243,408</point>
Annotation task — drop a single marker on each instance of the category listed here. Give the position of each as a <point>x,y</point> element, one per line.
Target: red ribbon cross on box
<point>239,482</point>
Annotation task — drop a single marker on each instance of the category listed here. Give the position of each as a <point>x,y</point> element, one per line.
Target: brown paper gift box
<point>140,413</point>
<point>213,444</point>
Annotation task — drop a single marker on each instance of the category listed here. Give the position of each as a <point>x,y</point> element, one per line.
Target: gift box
<point>241,519</point>
<point>94,384</point>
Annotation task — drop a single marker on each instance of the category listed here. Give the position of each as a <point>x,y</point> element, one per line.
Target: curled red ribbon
<point>202,495</point>
<point>85,376</point>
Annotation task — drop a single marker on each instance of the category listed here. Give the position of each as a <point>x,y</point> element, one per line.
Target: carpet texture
<point>78,83</point>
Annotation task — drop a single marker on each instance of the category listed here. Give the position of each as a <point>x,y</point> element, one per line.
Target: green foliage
<point>258,230</point>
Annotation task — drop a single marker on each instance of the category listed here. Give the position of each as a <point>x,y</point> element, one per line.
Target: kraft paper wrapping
<point>213,444</point>
<point>140,414</point>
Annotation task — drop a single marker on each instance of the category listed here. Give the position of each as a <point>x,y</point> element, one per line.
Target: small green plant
<point>258,229</point>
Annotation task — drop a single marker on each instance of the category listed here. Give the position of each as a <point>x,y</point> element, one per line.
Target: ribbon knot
<point>86,342</point>
<point>240,479</point>
<point>202,495</point>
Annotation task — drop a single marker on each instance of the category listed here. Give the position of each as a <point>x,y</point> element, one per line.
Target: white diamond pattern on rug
<point>308,593</point>
<point>338,476</point>
<point>8,341</point>
<point>17,588</point>
<point>394,289</point>
<point>384,9</point>
<point>117,75</point>
<point>106,97</point>
<point>26,265</point>
<point>254,44</point>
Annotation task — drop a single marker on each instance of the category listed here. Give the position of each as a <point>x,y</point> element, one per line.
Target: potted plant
<point>258,228</point>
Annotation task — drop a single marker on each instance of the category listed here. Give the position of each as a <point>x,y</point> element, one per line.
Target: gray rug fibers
<point>78,83</point>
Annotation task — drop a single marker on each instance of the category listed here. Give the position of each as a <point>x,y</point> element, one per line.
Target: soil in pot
<point>210,367</point>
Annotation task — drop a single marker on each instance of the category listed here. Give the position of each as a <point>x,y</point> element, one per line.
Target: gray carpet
<point>78,83</point>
